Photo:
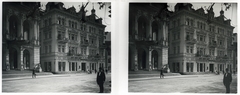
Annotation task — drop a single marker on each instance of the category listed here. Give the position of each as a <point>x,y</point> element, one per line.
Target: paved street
<point>66,83</point>
<point>181,84</point>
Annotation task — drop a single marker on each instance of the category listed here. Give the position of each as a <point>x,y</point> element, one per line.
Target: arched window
<point>142,28</point>
<point>13,27</point>
<point>155,31</point>
<point>26,30</point>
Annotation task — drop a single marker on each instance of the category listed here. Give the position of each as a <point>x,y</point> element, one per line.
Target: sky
<point>103,13</point>
<point>229,14</point>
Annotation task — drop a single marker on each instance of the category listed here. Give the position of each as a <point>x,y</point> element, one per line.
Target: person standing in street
<point>227,79</point>
<point>101,79</point>
<point>161,73</point>
<point>33,73</point>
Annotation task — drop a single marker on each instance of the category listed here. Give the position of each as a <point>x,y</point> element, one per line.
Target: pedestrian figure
<point>227,79</point>
<point>95,71</point>
<point>106,71</point>
<point>100,79</point>
<point>33,73</point>
<point>161,73</point>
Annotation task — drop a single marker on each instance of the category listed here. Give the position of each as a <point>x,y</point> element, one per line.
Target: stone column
<point>20,59</point>
<point>183,66</point>
<point>7,59</point>
<point>56,65</point>
<point>149,34</point>
<point>135,60</point>
<point>20,35</point>
<point>160,60</point>
<point>150,59</point>
<point>136,25</point>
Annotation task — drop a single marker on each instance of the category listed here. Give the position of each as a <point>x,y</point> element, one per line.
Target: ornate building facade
<point>20,35</point>
<point>199,41</point>
<point>148,45</point>
<point>70,40</point>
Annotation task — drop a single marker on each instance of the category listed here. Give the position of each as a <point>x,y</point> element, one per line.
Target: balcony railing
<point>63,40</point>
<point>212,44</point>
<point>102,46</point>
<point>85,43</point>
<point>191,41</point>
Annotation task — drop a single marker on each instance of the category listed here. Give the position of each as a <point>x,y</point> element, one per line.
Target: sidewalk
<point>30,77</point>
<point>166,77</point>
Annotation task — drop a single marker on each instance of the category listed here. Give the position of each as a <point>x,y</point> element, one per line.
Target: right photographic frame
<point>182,47</point>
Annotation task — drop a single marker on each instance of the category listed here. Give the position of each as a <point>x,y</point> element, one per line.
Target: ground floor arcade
<point>199,66</point>
<point>20,57</point>
<point>147,57</point>
<point>64,65</point>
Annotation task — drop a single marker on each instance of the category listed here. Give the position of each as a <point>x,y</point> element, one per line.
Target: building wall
<point>190,32</point>
<point>20,33</point>
<point>81,41</point>
<point>148,46</point>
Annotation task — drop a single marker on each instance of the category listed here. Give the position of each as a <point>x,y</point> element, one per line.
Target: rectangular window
<point>45,37</point>
<point>178,49</point>
<point>59,66</point>
<point>59,48</point>
<point>72,24</point>
<point>70,64</point>
<point>178,21</point>
<point>174,50</point>
<point>50,21</point>
<point>50,48</point>
<point>45,22</point>
<point>63,48</point>
<point>69,23</point>
<point>191,49</point>
<point>191,67</point>
<point>63,65</point>
<point>76,25</point>
<point>187,49</point>
<point>46,49</point>
<point>63,21</point>
<point>50,35</point>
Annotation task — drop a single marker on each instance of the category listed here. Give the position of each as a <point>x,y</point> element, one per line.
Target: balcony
<point>191,41</point>
<point>62,40</point>
<point>102,46</point>
<point>212,44</point>
<point>85,43</point>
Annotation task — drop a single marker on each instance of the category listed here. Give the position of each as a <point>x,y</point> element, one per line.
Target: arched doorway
<point>142,28</point>
<point>26,59</point>
<point>142,56</point>
<point>154,31</point>
<point>26,29</point>
<point>154,59</point>
<point>13,58</point>
<point>13,27</point>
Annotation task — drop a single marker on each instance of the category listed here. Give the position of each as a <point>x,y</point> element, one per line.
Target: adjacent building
<point>107,43</point>
<point>199,41</point>
<point>148,36</point>
<point>70,40</point>
<point>235,52</point>
<point>20,35</point>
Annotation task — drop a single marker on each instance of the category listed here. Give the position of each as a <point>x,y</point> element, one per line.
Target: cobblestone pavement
<point>181,84</point>
<point>70,83</point>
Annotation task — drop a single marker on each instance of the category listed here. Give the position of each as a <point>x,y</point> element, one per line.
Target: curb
<point>165,77</point>
<point>30,77</point>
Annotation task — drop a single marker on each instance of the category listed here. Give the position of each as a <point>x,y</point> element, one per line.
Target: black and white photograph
<point>182,47</point>
<point>56,47</point>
